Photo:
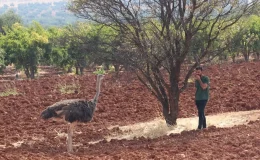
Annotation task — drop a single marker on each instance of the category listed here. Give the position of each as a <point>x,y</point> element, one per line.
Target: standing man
<point>201,95</point>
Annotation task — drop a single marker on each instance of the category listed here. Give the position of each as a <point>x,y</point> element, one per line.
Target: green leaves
<point>24,46</point>
<point>100,71</point>
<point>246,38</point>
<point>8,19</point>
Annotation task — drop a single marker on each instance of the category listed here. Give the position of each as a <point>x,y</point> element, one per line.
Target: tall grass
<point>68,88</point>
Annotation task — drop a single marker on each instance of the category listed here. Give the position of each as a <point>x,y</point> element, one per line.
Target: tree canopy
<point>23,46</point>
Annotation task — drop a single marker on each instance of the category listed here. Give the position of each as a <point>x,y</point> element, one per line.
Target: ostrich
<point>74,110</point>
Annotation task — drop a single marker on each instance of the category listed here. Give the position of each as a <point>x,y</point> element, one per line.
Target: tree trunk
<point>77,70</point>
<point>171,109</point>
<point>116,67</point>
<point>257,55</point>
<point>246,56</point>
<point>81,69</point>
<point>225,57</point>
<point>70,70</point>
<point>32,74</point>
<point>106,66</point>
<point>233,58</point>
<point>27,73</point>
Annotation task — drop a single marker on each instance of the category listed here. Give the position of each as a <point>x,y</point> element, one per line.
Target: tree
<point>2,61</point>
<point>228,39</point>
<point>246,38</point>
<point>78,43</point>
<point>157,36</point>
<point>101,44</point>
<point>56,51</point>
<point>24,46</point>
<point>78,48</point>
<point>255,29</point>
<point>75,45</point>
<point>256,10</point>
<point>8,19</point>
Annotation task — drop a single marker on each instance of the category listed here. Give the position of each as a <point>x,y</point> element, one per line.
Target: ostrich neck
<point>97,91</point>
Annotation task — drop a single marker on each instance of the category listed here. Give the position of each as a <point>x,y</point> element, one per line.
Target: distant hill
<point>46,12</point>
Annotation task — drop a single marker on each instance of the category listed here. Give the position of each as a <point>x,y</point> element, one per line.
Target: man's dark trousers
<point>201,104</point>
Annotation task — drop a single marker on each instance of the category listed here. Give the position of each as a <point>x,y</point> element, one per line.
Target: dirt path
<point>157,127</point>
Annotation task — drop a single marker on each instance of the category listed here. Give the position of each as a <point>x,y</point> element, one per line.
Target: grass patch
<point>68,88</point>
<point>8,92</point>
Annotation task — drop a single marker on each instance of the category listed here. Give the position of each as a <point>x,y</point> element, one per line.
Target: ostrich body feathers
<point>73,110</point>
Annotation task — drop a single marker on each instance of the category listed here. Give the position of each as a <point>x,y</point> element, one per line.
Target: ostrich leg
<point>69,138</point>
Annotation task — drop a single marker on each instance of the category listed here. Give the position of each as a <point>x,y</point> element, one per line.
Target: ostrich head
<point>100,77</point>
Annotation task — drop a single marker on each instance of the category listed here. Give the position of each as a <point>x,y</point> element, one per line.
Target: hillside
<point>48,13</point>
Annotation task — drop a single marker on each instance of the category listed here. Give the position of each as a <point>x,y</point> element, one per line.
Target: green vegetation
<point>24,46</point>
<point>78,45</point>
<point>99,71</point>
<point>8,92</point>
<point>68,88</point>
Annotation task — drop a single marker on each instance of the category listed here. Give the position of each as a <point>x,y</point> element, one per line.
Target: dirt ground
<point>125,101</point>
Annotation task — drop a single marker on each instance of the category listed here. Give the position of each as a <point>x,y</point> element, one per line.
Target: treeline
<point>242,39</point>
<point>47,14</point>
<point>81,44</point>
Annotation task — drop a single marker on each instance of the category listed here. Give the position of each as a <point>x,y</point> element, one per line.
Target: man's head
<point>199,70</point>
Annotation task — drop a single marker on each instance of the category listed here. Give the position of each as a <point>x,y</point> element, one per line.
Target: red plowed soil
<point>234,87</point>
